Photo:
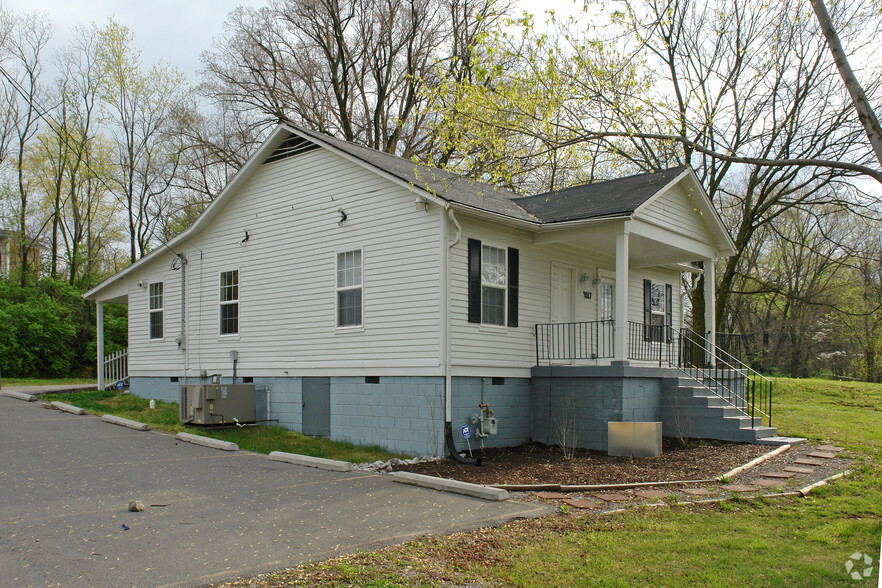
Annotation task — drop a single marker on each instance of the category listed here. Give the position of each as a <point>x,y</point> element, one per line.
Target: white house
<point>376,300</point>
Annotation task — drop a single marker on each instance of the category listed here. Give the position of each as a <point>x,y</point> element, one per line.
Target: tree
<point>23,95</point>
<point>859,99</point>
<point>356,69</point>
<point>143,112</point>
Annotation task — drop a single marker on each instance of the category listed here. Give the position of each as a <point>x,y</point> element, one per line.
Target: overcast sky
<point>176,31</point>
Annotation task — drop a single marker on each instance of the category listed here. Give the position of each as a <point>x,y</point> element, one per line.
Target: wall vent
<point>293,145</point>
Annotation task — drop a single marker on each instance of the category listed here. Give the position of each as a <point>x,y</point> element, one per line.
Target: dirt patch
<point>535,463</point>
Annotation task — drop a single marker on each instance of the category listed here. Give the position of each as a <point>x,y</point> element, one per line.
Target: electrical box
<point>217,404</point>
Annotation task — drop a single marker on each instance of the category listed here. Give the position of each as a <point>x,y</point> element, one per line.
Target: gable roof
<point>598,201</point>
<point>450,186</point>
<point>620,197</point>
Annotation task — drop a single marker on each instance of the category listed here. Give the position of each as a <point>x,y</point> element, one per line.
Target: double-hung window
<point>657,311</point>
<point>349,289</point>
<point>154,310</point>
<point>492,284</point>
<point>229,302</point>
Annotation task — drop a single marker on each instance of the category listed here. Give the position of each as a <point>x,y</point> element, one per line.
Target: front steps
<point>689,410</point>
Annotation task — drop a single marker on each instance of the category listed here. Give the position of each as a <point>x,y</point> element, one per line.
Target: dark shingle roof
<point>444,184</point>
<point>619,197</point>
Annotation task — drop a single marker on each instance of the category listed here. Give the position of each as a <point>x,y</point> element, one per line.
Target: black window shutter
<point>474,281</point>
<point>669,313</point>
<point>647,310</point>
<point>513,260</point>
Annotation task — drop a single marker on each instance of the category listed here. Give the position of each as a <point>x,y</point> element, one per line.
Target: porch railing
<point>726,376</point>
<point>116,368</point>
<point>572,341</point>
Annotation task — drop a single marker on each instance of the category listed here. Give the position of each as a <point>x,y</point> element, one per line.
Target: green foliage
<point>49,330</point>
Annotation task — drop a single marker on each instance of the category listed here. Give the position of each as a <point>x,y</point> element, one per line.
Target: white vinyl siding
<point>155,311</point>
<point>290,210</point>
<point>676,211</point>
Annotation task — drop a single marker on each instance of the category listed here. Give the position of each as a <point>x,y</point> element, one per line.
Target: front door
<point>561,341</point>
<point>316,413</point>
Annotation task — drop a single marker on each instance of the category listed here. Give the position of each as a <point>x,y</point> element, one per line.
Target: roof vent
<point>293,145</point>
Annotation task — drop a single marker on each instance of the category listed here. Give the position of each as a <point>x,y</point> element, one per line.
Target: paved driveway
<point>65,483</point>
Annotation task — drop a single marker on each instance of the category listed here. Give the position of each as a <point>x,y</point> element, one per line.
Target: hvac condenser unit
<point>217,404</point>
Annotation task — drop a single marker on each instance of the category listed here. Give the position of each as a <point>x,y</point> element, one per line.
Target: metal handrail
<point>752,390</point>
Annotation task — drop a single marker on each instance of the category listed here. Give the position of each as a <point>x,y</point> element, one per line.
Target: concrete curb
<point>804,491</point>
<point>115,420</point>
<point>751,464</point>
<point>207,442</point>
<point>20,395</point>
<point>68,408</point>
<point>445,485</point>
<point>312,462</point>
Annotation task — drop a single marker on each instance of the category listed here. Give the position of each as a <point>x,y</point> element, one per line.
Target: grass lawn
<point>260,439</point>
<point>758,542</point>
<point>45,381</point>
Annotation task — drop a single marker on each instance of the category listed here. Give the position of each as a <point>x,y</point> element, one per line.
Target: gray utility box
<point>217,404</point>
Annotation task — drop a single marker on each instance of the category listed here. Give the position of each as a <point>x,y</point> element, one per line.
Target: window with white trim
<point>155,310</point>
<point>493,285</point>
<point>229,302</point>
<point>349,289</point>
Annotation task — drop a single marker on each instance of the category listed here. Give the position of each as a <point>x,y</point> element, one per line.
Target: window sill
<point>493,328</point>
<point>156,340</point>
<point>347,330</point>
<point>230,337</point>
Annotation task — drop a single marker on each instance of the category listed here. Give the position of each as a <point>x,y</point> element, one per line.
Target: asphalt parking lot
<point>66,482</point>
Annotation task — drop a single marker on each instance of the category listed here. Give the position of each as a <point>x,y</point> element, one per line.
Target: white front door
<point>560,341</point>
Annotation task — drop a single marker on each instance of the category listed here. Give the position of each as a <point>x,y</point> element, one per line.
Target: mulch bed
<point>535,463</point>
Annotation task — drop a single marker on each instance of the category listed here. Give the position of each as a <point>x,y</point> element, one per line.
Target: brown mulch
<point>535,463</point>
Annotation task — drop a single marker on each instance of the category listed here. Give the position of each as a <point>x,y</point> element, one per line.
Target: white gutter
<point>446,323</point>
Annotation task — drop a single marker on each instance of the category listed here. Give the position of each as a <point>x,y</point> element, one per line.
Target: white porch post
<point>710,312</point>
<point>99,307</point>
<point>620,349</point>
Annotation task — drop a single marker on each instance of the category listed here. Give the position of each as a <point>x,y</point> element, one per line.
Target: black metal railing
<point>572,341</point>
<point>728,376</point>
<point>724,374</point>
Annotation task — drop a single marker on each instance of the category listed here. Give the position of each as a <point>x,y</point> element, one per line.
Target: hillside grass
<point>742,542</point>
<point>261,439</point>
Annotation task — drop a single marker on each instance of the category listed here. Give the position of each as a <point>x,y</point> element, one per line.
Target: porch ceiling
<point>649,245</point>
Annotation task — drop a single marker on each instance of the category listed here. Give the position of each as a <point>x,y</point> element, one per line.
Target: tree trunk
<point>858,97</point>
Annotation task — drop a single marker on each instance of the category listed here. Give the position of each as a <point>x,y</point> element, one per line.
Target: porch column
<point>620,348</point>
<point>99,308</point>
<point>710,311</point>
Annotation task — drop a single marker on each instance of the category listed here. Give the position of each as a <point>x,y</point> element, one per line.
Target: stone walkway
<point>796,469</point>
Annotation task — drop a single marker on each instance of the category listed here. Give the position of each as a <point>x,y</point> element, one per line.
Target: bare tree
<point>858,97</point>
<point>144,109</point>
<point>352,68</point>
<point>23,97</point>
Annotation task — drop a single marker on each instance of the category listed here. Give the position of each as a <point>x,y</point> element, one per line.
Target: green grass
<point>260,439</point>
<point>44,381</point>
<point>743,542</point>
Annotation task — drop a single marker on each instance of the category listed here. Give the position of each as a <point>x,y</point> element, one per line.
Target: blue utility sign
<point>120,385</point>
<point>466,431</point>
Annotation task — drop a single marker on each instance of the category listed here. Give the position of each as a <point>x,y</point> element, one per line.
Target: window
<point>349,285</point>
<point>154,310</point>
<point>657,306</point>
<point>229,302</point>
<point>606,302</point>
<point>492,284</point>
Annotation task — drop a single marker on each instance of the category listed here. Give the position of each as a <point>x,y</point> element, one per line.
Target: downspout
<point>448,362</point>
